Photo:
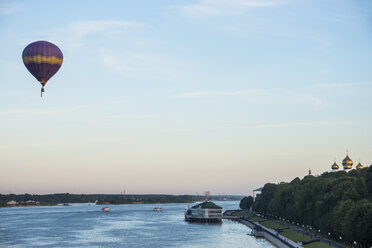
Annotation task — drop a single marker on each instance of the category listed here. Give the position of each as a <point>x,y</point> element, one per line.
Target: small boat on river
<point>157,209</point>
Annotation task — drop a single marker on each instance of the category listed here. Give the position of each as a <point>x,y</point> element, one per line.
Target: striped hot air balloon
<point>42,59</point>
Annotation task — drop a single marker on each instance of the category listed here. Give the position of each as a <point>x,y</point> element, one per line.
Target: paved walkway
<point>307,233</point>
<point>329,242</point>
<point>285,242</point>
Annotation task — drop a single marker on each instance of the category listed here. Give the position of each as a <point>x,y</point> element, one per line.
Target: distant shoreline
<point>18,206</point>
<point>98,204</point>
<point>13,200</point>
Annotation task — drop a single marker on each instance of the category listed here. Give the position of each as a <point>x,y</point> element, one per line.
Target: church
<point>347,163</point>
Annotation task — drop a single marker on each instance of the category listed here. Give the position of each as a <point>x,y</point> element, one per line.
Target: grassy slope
<point>294,236</point>
<point>317,245</point>
<point>290,234</point>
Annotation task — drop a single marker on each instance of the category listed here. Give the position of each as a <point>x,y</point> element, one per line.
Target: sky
<point>182,97</point>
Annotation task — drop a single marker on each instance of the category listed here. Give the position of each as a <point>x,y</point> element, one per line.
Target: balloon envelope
<point>42,59</point>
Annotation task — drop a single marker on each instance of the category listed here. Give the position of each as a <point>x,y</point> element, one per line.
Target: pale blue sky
<point>183,96</point>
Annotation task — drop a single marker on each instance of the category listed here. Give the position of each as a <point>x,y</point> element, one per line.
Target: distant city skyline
<point>182,97</point>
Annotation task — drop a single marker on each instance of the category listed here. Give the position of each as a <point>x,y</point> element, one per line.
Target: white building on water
<point>12,202</point>
<point>206,212</point>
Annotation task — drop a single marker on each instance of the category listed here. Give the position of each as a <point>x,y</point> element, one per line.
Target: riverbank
<point>279,234</point>
<point>260,231</point>
<point>35,205</point>
<point>54,199</point>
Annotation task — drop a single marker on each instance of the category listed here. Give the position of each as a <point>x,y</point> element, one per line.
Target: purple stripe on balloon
<point>42,48</point>
<point>43,70</point>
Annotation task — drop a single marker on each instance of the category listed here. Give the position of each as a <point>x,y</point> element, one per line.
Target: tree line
<point>54,199</point>
<point>339,204</point>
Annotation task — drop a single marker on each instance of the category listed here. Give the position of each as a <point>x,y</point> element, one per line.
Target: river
<point>137,225</point>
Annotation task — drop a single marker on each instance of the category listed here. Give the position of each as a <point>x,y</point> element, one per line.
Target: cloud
<point>288,96</point>
<point>137,64</point>
<point>264,96</point>
<point>82,29</point>
<point>274,96</point>
<point>225,7</point>
<point>133,117</point>
<point>116,64</point>
<point>309,123</point>
<point>218,93</point>
<point>26,111</point>
<point>335,85</point>
<point>299,123</point>
<point>8,10</point>
<point>36,144</point>
<point>317,102</point>
<point>72,36</point>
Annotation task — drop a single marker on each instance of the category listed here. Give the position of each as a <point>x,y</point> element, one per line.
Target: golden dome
<point>335,166</point>
<point>359,166</point>
<point>347,162</point>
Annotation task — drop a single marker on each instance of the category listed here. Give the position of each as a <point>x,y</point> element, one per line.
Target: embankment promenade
<point>279,234</point>
<point>260,231</point>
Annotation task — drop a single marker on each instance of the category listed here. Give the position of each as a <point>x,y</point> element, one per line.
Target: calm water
<point>83,225</point>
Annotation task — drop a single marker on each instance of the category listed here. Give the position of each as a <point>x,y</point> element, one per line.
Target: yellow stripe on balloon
<point>42,59</point>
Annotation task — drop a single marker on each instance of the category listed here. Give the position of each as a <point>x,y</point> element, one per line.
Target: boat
<point>105,209</point>
<point>157,209</point>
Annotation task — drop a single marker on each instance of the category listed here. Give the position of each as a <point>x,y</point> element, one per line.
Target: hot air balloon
<point>42,59</point>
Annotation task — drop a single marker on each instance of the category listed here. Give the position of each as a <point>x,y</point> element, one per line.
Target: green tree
<point>246,203</point>
<point>339,203</point>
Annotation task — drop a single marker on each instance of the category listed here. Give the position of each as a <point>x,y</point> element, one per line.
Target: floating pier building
<point>206,212</point>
